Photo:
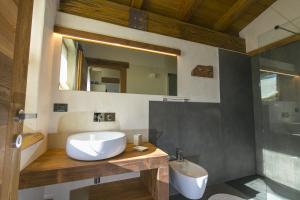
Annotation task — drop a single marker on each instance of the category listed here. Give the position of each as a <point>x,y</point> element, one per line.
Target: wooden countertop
<point>56,167</point>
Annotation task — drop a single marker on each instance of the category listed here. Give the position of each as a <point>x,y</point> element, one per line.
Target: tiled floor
<point>250,188</point>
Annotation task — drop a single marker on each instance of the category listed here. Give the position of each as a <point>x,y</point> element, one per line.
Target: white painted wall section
<point>38,95</point>
<point>260,32</point>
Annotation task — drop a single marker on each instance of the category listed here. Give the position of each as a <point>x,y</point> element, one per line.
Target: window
<point>63,77</point>
<point>268,86</point>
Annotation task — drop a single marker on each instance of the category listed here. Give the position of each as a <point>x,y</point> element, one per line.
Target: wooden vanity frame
<point>56,167</point>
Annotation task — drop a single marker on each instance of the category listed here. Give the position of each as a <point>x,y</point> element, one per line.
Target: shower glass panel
<point>277,112</point>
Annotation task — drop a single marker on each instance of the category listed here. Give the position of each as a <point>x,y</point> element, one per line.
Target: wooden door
<point>15,28</point>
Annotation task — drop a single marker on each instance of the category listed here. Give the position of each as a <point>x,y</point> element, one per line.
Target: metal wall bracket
<point>138,19</point>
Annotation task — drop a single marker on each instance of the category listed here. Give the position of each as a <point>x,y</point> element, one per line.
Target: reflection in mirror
<point>279,86</point>
<point>102,68</point>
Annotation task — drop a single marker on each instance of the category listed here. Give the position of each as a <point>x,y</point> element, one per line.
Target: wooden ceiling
<point>197,20</point>
<point>229,16</point>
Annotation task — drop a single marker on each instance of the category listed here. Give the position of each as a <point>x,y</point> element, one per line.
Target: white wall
<point>31,101</point>
<point>261,31</point>
<point>38,97</point>
<point>131,109</point>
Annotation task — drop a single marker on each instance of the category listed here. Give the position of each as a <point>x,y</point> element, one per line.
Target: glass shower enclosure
<point>276,85</point>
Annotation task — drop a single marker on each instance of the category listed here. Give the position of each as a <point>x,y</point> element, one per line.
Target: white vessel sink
<point>89,146</point>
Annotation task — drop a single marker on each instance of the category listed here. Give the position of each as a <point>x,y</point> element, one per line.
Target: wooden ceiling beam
<point>188,8</point>
<point>232,14</point>
<point>119,14</point>
<point>114,41</point>
<point>138,4</point>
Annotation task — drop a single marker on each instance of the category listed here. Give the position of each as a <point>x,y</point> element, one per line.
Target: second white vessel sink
<point>89,146</point>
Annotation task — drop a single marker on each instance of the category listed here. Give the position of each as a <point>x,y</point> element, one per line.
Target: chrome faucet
<point>179,155</point>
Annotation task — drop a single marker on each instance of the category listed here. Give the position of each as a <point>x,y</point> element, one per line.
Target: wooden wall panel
<point>5,69</point>
<point>8,21</point>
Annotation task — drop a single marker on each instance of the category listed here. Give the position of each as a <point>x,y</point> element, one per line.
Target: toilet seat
<point>224,197</point>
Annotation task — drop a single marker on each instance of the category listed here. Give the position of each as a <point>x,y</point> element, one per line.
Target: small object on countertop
<point>140,148</point>
<point>137,139</point>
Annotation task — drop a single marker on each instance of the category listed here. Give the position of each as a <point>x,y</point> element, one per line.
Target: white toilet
<point>188,178</point>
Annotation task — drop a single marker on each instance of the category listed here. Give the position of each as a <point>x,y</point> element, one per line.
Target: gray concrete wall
<point>237,114</point>
<point>219,137</point>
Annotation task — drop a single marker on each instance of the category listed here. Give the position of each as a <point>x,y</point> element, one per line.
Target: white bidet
<point>188,178</point>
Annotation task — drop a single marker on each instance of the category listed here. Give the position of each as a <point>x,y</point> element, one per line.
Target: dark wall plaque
<point>60,107</point>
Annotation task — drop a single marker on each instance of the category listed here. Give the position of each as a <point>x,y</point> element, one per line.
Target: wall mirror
<point>96,67</point>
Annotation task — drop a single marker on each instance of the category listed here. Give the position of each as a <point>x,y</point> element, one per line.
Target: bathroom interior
<point>150,100</point>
